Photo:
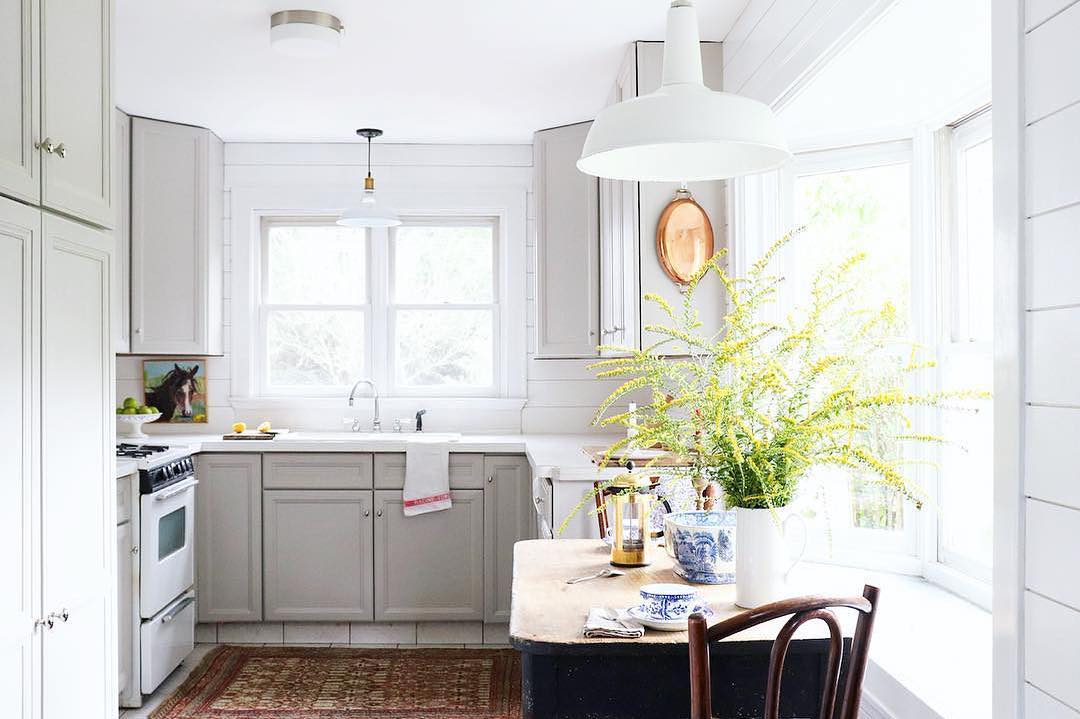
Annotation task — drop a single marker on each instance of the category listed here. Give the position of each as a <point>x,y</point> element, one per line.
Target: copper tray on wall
<point>684,238</point>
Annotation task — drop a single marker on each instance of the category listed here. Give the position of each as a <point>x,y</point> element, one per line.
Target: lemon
<point>264,427</point>
<point>239,427</point>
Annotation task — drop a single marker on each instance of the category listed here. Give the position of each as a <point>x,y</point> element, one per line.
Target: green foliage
<point>754,406</point>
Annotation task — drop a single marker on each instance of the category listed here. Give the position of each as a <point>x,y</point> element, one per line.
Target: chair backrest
<point>802,610</point>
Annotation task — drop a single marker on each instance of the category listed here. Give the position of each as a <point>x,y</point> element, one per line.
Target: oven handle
<point>177,609</point>
<point>179,489</point>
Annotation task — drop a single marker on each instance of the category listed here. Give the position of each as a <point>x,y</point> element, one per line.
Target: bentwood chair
<point>802,610</point>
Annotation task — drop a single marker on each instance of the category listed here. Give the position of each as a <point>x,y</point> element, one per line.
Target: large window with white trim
<point>415,308</point>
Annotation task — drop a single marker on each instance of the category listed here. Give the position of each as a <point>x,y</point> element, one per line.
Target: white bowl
<point>134,423</point>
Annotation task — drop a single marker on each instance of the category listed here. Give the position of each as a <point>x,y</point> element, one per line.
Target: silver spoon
<point>606,572</point>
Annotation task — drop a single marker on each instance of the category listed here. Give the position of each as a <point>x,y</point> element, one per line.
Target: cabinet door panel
<point>20,236</point>
<point>430,566</point>
<point>168,220</point>
<point>318,555</point>
<point>125,540</point>
<point>568,245</point>
<point>466,470</point>
<point>508,517</point>
<point>20,163</point>
<point>228,537</point>
<point>78,497</point>
<point>122,189</point>
<point>76,108</point>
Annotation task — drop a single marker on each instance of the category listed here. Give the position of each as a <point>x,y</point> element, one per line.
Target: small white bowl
<point>134,423</point>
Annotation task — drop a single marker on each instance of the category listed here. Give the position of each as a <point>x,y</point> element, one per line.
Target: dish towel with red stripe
<point>427,477</point>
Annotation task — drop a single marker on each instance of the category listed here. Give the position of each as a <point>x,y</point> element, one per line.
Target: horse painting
<point>174,395</point>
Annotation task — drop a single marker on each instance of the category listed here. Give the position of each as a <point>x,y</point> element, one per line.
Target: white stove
<point>149,456</point>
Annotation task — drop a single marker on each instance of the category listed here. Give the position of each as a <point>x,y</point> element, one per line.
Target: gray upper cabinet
<point>431,566</point>
<point>177,179</point>
<point>56,106</point>
<point>508,517</point>
<point>76,109</point>
<point>318,554</point>
<point>567,245</point>
<point>229,537</point>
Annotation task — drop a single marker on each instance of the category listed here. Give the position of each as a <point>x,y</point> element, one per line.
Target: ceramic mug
<point>667,602</point>
<point>702,545</point>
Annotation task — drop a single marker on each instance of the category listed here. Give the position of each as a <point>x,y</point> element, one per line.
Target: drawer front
<point>307,470</point>
<point>125,488</point>
<point>166,640</point>
<point>466,471</point>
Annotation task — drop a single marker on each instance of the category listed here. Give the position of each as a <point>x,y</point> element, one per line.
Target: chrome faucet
<point>376,425</point>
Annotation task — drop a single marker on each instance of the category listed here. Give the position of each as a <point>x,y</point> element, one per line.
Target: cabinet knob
<point>46,145</point>
<point>60,150</point>
<point>46,623</point>
<point>367,512</point>
<point>62,615</point>
<point>135,549</point>
<point>491,478</point>
<point>379,513</point>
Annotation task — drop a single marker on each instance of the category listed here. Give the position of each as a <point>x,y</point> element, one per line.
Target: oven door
<point>167,562</point>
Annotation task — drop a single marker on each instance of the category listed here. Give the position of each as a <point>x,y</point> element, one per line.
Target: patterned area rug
<point>241,682</point>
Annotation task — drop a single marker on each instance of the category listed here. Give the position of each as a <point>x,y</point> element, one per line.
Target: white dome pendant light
<point>684,131</point>
<point>369,213</point>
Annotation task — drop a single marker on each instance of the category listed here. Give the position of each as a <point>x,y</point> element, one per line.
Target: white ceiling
<point>923,61</point>
<point>423,70</point>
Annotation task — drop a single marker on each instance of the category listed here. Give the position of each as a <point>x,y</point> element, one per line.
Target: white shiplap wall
<point>1046,137</point>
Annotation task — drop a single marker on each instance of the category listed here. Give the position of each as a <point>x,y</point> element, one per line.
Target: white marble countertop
<point>558,456</point>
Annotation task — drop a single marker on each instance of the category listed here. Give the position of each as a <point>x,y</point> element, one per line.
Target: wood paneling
<point>1052,649</point>
<point>1053,344</point>
<point>1049,50</point>
<point>1053,256</point>
<point>1053,162</point>
<point>1052,459</point>
<point>1052,533</point>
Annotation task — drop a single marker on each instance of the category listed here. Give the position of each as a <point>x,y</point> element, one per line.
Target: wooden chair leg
<point>700,677</point>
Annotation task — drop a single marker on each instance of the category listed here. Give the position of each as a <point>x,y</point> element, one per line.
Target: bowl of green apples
<point>131,416</point>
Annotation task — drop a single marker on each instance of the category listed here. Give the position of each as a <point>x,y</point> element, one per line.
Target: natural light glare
<point>314,348</point>
<point>316,265</point>
<point>444,348</point>
<point>443,264</point>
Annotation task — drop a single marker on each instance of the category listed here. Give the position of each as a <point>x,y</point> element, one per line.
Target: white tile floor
<point>177,678</point>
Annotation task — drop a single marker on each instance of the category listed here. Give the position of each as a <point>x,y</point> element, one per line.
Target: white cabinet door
<point>122,190</point>
<point>567,246</point>
<point>317,555</point>
<point>20,238</point>
<point>430,566</point>
<point>76,108</point>
<point>125,540</point>
<point>78,497</point>
<point>20,163</point>
<point>228,537</point>
<point>508,517</point>
<point>176,244</point>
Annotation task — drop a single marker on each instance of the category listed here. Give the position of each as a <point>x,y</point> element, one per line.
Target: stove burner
<point>138,451</point>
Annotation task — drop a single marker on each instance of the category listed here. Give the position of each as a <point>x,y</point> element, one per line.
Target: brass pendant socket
<point>369,183</point>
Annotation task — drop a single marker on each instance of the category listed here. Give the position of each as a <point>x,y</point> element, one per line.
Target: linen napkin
<point>427,477</point>
<point>614,623</point>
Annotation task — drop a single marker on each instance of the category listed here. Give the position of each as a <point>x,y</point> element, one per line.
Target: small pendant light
<point>684,131</point>
<point>369,213</point>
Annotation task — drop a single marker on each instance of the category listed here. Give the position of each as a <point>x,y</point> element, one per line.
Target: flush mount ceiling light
<point>305,33</point>
<point>369,213</point>
<point>684,131</point>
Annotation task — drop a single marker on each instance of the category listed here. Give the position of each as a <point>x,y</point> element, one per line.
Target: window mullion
<point>380,341</point>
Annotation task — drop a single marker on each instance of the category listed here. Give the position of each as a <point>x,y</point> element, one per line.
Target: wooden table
<point>567,676</point>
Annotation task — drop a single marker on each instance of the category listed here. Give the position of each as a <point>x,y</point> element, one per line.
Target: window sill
<point>930,655</point>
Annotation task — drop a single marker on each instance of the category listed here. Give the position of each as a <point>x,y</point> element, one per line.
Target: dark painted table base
<point>627,680</point>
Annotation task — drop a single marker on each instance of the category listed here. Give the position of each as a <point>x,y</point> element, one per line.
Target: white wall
<point>1037,168</point>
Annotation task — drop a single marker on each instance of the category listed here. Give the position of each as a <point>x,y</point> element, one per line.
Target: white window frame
<point>265,308</point>
<point>379,310</point>
<point>390,309</point>
<point>871,548</point>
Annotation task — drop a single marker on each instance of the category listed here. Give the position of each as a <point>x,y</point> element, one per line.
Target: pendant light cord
<point>369,157</point>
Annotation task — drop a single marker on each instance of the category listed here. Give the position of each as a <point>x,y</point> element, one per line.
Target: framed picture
<point>177,388</point>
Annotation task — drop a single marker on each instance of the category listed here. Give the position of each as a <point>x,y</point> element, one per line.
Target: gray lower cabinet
<point>229,537</point>
<point>431,566</point>
<point>508,517</point>
<point>317,555</point>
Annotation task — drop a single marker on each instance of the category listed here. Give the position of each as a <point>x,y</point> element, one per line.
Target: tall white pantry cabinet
<point>57,494</point>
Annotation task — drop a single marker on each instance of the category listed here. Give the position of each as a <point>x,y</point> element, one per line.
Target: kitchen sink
<point>361,437</point>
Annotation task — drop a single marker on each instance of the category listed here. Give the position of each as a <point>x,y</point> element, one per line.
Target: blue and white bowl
<point>667,602</point>
<point>702,545</point>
